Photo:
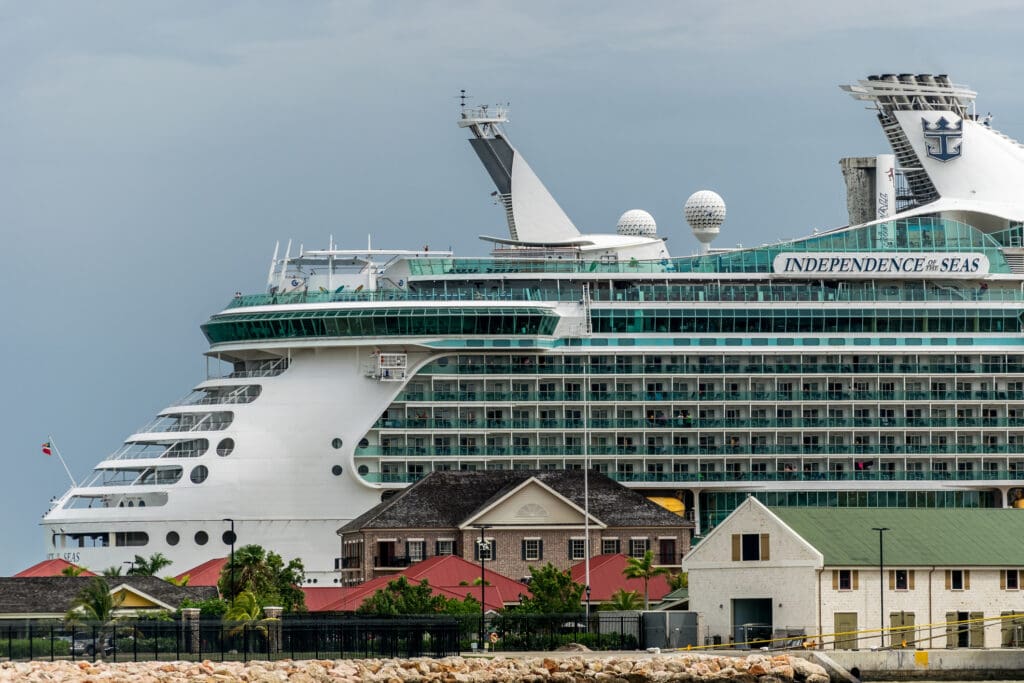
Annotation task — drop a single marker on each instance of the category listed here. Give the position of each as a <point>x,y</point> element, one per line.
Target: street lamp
<point>131,567</point>
<point>232,560</point>
<point>881,580</point>
<point>482,546</point>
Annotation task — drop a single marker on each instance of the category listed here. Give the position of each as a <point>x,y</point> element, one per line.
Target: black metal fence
<point>335,637</point>
<point>512,632</point>
<point>291,638</point>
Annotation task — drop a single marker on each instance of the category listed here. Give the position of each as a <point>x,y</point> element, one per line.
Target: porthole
<point>363,470</point>
<point>364,443</point>
<point>173,538</point>
<point>225,447</point>
<point>202,537</point>
<point>336,442</point>
<point>198,474</point>
<point>229,537</point>
<point>336,470</point>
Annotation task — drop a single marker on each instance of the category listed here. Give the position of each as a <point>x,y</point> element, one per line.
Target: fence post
<point>273,616</point>
<point>190,629</point>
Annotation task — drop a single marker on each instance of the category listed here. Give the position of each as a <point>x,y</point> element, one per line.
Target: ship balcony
<point>979,476</point>
<point>694,396</point>
<point>153,450</point>
<point>701,450</point>
<point>737,367</point>
<point>135,476</point>
<point>221,395</point>
<point>666,423</point>
<point>189,422</point>
<point>113,500</point>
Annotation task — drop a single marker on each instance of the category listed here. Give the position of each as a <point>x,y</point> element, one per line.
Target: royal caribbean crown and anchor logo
<point>943,140</point>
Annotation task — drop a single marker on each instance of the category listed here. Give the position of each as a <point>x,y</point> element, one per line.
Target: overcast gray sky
<point>152,153</point>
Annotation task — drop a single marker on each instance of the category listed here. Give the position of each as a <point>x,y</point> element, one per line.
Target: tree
<point>176,581</point>
<point>149,567</point>
<point>554,592</point>
<point>678,580</point>
<point>402,597</point>
<point>623,601</point>
<point>72,570</point>
<point>246,612</point>
<point>94,604</point>
<point>266,576</point>
<point>116,570</point>
<point>643,568</point>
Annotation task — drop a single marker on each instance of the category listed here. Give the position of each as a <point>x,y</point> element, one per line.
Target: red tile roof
<point>205,574</point>
<point>606,578</point>
<point>319,597</point>
<point>50,568</point>
<point>448,575</point>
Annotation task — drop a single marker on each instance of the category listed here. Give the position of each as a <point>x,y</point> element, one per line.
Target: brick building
<point>529,517</point>
<point>950,578</point>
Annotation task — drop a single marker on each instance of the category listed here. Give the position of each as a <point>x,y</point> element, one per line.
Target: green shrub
<point>19,648</point>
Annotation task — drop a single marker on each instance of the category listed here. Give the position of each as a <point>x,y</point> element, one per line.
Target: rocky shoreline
<point>638,668</point>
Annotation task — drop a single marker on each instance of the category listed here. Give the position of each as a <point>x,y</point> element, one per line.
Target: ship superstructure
<point>879,364</point>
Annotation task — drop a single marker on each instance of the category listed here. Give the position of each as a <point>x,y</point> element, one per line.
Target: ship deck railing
<point>698,396</point>
<point>737,368</point>
<point>794,476</point>
<point>658,423</point>
<point>743,450</point>
<point>697,293</point>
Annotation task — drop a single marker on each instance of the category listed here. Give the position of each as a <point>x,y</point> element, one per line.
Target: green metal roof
<point>916,537</point>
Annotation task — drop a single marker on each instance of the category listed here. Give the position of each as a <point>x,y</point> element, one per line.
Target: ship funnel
<point>532,213</point>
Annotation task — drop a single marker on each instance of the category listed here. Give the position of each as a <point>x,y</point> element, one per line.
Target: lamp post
<point>131,567</point>
<point>231,562</point>
<point>881,580</point>
<point>481,546</point>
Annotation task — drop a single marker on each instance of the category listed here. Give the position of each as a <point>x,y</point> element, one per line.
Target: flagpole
<point>53,445</point>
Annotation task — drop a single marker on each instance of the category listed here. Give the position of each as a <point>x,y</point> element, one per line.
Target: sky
<point>151,154</point>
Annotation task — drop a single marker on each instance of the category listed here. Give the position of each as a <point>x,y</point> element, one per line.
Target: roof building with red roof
<point>606,577</point>
<point>53,567</point>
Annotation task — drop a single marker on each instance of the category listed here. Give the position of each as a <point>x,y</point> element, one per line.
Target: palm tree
<point>72,570</point>
<point>148,567</point>
<point>246,613</point>
<point>94,604</point>
<point>115,570</point>
<point>175,581</point>
<point>623,600</point>
<point>678,580</point>
<point>643,568</point>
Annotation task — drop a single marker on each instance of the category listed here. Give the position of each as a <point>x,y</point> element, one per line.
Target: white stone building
<point>949,578</point>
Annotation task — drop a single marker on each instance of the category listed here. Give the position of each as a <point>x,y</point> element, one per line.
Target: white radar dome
<point>637,222</point>
<point>705,212</point>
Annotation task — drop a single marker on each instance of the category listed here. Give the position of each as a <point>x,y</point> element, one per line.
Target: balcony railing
<point>705,423</point>
<point>795,476</point>
<point>698,396</point>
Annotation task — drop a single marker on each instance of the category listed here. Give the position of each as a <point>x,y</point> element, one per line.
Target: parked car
<point>88,646</point>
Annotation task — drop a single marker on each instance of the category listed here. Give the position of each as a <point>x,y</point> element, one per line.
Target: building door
<point>845,629</point>
<point>667,552</point>
<point>385,553</point>
<point>901,632</point>
<point>752,622</point>
<point>958,633</point>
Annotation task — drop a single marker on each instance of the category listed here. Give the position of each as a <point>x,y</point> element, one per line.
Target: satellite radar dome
<point>637,222</point>
<point>705,212</point>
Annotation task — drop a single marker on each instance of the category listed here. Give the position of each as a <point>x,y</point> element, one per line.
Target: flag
<point>47,449</point>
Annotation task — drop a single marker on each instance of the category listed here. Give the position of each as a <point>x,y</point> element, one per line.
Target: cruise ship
<point>880,364</point>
